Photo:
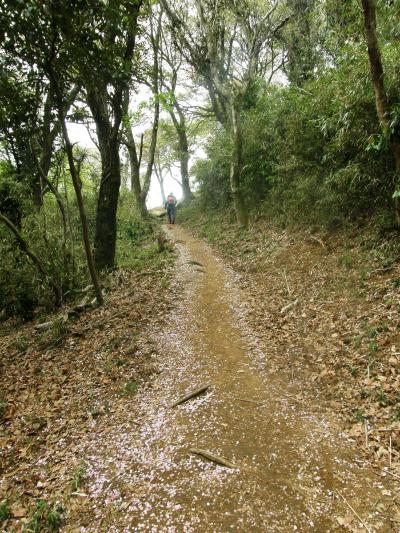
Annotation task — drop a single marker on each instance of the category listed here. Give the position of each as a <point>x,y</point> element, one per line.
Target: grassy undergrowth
<point>377,245</point>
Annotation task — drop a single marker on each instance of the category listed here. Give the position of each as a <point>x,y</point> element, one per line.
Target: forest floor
<point>90,439</point>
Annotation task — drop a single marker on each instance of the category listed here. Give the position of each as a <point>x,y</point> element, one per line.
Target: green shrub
<point>45,517</point>
<point>5,512</point>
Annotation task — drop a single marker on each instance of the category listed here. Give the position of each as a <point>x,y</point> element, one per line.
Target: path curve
<point>293,467</point>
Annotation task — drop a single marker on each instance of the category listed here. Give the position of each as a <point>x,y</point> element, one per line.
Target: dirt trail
<point>292,464</point>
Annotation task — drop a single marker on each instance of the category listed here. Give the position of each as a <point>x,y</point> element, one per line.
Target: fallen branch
<point>354,511</point>
<point>318,241</point>
<point>378,471</point>
<point>214,458</point>
<point>287,283</point>
<point>381,270</point>
<point>63,319</point>
<point>248,401</point>
<point>190,395</point>
<point>289,307</point>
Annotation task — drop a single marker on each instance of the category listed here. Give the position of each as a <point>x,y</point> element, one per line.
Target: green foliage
<point>78,477</point>
<point>20,343</point>
<point>358,415</point>
<point>54,335</point>
<point>314,154</point>
<point>45,517</point>
<point>129,389</point>
<point>396,414</point>
<point>5,512</point>
<point>382,397</point>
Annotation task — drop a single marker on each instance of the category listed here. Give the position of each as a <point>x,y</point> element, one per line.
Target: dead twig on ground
<point>319,241</point>
<point>190,395</point>
<point>248,401</point>
<point>214,458</point>
<point>287,283</point>
<point>354,511</point>
<point>288,307</point>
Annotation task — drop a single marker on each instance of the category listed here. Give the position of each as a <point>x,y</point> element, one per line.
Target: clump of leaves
<point>358,415</point>
<point>129,389</point>
<point>45,517</point>
<point>364,393</point>
<point>54,335</point>
<point>20,344</point>
<point>5,512</point>
<point>352,369</point>
<point>78,477</point>
<point>116,342</point>
<point>346,261</point>
<point>396,414</point>
<point>3,407</point>
<point>382,397</point>
<point>372,332</point>
<point>372,347</point>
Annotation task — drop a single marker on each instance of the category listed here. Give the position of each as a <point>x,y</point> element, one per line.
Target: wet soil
<point>294,470</point>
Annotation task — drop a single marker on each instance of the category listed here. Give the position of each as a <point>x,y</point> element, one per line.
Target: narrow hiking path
<point>294,472</point>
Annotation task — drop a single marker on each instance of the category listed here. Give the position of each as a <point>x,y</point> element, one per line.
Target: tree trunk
<point>163,196</point>
<point>184,163</point>
<point>180,127</point>
<point>78,191</point>
<point>134,163</point>
<point>160,178</point>
<point>236,168</point>
<point>107,203</point>
<point>378,83</point>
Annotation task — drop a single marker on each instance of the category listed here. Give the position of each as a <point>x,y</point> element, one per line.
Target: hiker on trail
<point>170,206</point>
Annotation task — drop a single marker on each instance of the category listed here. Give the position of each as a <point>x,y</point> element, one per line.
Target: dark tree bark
<point>105,99</point>
<point>378,83</point>
<point>107,202</point>
<point>76,181</point>
<point>135,163</point>
<point>179,121</point>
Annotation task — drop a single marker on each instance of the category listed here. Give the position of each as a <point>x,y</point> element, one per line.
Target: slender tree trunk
<point>236,168</point>
<point>184,163</point>
<point>135,161</point>
<point>160,179</point>
<point>64,217</point>
<point>378,83</point>
<point>34,258</point>
<point>163,196</point>
<point>78,191</point>
<point>50,130</point>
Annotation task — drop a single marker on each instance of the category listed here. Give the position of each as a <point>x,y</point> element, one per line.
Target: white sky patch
<point>78,134</point>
